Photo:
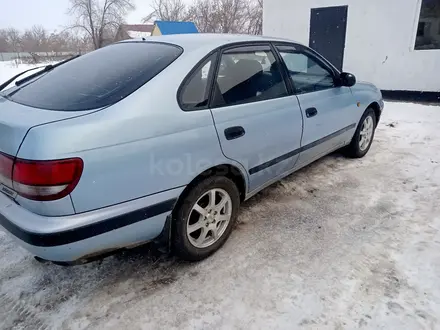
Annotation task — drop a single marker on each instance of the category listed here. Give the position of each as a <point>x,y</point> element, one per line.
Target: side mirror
<point>347,79</point>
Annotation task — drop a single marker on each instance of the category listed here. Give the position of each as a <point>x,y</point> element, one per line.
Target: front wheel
<point>364,135</point>
<point>204,221</point>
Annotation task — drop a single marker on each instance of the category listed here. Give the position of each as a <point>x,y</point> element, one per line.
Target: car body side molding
<point>292,153</point>
<point>84,232</point>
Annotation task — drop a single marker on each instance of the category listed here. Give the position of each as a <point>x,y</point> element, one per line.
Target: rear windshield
<point>97,79</point>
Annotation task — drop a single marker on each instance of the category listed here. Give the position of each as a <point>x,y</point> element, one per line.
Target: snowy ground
<point>342,244</point>
<point>8,69</point>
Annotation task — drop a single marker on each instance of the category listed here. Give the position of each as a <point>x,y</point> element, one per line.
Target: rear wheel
<point>204,220</point>
<point>364,135</point>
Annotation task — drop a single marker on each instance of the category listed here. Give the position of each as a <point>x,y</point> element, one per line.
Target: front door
<point>327,33</point>
<point>258,122</point>
<point>329,110</point>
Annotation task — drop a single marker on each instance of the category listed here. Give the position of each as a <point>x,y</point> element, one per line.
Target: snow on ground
<point>342,244</point>
<point>8,69</point>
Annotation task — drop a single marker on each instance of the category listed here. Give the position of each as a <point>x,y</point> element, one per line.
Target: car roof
<point>206,40</point>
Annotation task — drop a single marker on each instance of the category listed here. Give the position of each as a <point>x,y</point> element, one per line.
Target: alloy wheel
<point>209,218</point>
<point>366,133</point>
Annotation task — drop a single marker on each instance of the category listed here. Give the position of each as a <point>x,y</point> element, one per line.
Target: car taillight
<point>45,180</point>
<point>6,163</point>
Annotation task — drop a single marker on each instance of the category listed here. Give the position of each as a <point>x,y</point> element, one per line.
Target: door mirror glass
<point>347,79</point>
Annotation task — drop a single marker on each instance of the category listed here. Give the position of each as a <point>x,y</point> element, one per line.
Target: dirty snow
<point>342,244</point>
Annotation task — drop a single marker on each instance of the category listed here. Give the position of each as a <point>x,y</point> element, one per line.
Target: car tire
<point>363,136</point>
<point>201,207</point>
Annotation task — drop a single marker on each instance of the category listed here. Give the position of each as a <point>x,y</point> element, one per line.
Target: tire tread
<point>181,245</point>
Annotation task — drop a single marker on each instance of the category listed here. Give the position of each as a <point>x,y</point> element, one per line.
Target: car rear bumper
<point>80,236</point>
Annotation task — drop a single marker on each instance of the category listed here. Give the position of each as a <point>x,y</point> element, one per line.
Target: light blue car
<point>162,139</point>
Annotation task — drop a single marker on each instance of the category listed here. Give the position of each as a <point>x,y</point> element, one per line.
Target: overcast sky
<point>51,14</point>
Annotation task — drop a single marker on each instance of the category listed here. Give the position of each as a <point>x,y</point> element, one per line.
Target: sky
<point>52,14</point>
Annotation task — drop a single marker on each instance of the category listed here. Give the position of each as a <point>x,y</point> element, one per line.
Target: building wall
<point>379,42</point>
<point>156,31</point>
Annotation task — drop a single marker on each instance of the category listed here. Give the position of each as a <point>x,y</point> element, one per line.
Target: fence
<point>37,56</point>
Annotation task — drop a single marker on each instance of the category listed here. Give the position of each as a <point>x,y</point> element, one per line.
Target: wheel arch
<point>233,172</point>
<point>376,107</point>
<point>230,171</point>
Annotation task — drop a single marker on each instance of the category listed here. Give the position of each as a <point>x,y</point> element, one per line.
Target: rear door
<point>330,110</point>
<point>259,123</point>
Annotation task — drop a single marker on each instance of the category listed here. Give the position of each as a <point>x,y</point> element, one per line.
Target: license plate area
<point>8,191</point>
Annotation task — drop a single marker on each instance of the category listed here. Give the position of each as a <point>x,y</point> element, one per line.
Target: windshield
<point>97,79</point>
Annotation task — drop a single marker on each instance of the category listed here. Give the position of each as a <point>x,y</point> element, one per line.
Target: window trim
<point>228,47</point>
<point>312,52</point>
<point>272,43</point>
<point>284,72</point>
<point>412,46</point>
<point>306,51</point>
<point>190,75</point>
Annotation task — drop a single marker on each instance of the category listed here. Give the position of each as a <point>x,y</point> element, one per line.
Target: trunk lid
<point>17,119</point>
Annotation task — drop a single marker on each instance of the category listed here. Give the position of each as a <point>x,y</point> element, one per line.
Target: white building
<point>392,43</point>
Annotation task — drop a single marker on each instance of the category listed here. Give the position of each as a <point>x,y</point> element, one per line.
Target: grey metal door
<point>328,28</point>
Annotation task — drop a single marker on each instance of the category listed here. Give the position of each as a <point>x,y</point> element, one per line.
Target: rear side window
<point>248,74</point>
<point>195,92</point>
<point>97,79</point>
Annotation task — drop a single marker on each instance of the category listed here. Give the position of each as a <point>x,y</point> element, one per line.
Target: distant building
<point>394,44</point>
<point>133,31</point>
<point>169,27</point>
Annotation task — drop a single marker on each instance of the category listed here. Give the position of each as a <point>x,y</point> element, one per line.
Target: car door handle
<point>234,132</point>
<point>311,112</point>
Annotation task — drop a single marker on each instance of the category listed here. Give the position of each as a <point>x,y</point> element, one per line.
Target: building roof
<point>137,30</point>
<point>170,27</point>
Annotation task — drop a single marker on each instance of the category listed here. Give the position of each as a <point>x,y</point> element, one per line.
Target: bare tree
<point>99,19</point>
<point>231,15</point>
<point>225,16</point>
<point>14,40</point>
<point>255,16</point>
<point>215,16</point>
<point>4,45</point>
<point>71,41</point>
<point>35,39</point>
<point>168,10</point>
<point>202,14</point>
<point>40,45</point>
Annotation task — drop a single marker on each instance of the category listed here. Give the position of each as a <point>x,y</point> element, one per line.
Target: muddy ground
<point>342,244</point>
